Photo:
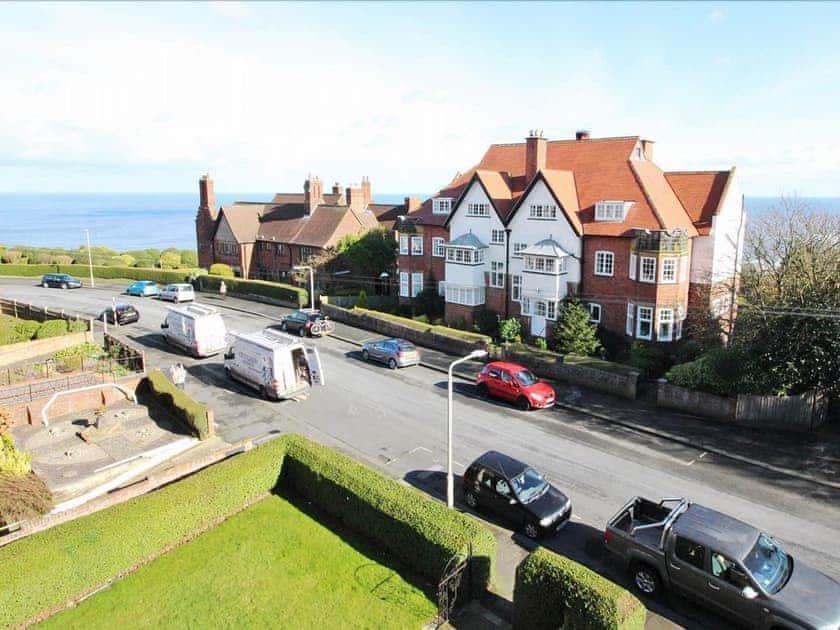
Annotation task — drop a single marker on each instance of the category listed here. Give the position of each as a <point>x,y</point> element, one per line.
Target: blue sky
<point>147,97</point>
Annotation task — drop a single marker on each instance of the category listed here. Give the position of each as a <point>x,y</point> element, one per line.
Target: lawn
<point>271,565</point>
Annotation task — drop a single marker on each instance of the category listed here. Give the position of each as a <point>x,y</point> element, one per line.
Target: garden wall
<point>25,350</point>
<point>694,402</point>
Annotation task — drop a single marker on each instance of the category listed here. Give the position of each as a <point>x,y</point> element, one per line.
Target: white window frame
<point>497,237</point>
<point>551,310</point>
<point>601,258</point>
<point>594,312</point>
<point>437,246</point>
<point>441,205</point>
<point>610,211</point>
<point>543,211</point>
<point>634,262</point>
<point>280,248</point>
<point>416,245</point>
<point>404,284</point>
<point>678,324</point>
<point>647,311</point>
<point>515,288</point>
<point>478,209</point>
<point>517,249</point>
<point>305,252</point>
<point>541,308</point>
<point>630,325</point>
<point>669,277</point>
<point>665,318</point>
<point>416,283</point>
<point>497,274</point>
<point>403,245</point>
<point>525,306</point>
<point>643,275</point>
<point>466,296</point>
<point>683,268</point>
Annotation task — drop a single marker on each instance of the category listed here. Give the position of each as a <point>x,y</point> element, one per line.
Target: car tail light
<point>275,385</point>
<point>308,325</point>
<point>606,536</point>
<point>400,354</point>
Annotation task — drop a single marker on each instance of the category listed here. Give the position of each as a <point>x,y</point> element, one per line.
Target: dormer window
<point>478,209</point>
<point>612,210</point>
<point>441,205</point>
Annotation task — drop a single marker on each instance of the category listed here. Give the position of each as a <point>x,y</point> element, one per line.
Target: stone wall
<point>25,350</point>
<point>695,402</point>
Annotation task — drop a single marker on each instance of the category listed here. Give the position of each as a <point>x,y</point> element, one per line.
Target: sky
<point>130,97</point>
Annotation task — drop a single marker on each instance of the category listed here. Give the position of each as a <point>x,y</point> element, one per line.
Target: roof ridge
<point>607,138</point>
<point>649,199</point>
<point>696,172</point>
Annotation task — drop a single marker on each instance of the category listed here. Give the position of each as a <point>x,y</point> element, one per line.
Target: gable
<point>223,231</point>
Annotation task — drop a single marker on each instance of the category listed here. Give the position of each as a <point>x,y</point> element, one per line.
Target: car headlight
<point>545,522</point>
<point>537,397</point>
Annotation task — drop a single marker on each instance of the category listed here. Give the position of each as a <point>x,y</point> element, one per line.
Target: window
<point>280,249</point>
<point>468,296</point>
<point>594,312</point>
<point>403,245</point>
<point>678,328</point>
<point>305,252</point>
<point>551,310</point>
<point>629,327</point>
<point>497,274</point>
<point>526,306</point>
<point>683,268</point>
<point>442,205</point>
<point>228,248</point>
<point>666,324</point>
<point>516,288</point>
<point>543,211</point>
<point>634,261</point>
<point>416,245</point>
<point>542,310</point>
<point>403,284</point>
<point>437,246</point>
<point>728,570</point>
<point>669,270</point>
<point>690,552</point>
<point>463,256</point>
<point>497,237</point>
<point>604,262</point>
<point>441,288</point>
<point>416,283</point>
<point>478,209</point>
<point>648,271</point>
<point>517,249</point>
<point>611,210</point>
<point>545,264</point>
<point>645,323</point>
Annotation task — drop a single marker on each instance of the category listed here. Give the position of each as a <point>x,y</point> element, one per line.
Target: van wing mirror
<point>748,592</point>
<point>229,355</point>
<point>164,325</point>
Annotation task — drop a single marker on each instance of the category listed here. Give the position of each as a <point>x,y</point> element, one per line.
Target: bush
<point>423,319</point>
<point>463,335</point>
<point>718,372</point>
<point>13,463</point>
<point>190,411</point>
<point>81,350</point>
<point>221,269</point>
<point>23,497</point>
<point>362,302</point>
<point>616,346</point>
<point>687,350</point>
<point>11,256</point>
<point>541,343</point>
<point>459,323</point>
<point>487,322</point>
<point>429,302</point>
<point>510,330</point>
<point>25,329</point>
<point>552,591</point>
<point>77,326</point>
<point>52,328</point>
<point>574,333</point>
<point>293,296</point>
<point>650,359</point>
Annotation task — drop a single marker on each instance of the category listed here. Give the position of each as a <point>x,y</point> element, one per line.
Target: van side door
<point>313,359</point>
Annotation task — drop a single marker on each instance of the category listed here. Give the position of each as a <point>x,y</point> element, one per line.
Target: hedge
<point>189,410</point>
<point>552,591</point>
<point>52,328</point>
<point>463,335</point>
<point>295,296</point>
<point>106,273</point>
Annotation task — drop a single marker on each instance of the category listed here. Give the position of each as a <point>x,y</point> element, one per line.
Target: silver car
<point>392,352</point>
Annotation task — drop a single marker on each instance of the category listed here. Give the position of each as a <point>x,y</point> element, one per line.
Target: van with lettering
<point>196,329</point>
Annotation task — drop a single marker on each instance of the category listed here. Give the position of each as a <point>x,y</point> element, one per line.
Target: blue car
<point>143,288</point>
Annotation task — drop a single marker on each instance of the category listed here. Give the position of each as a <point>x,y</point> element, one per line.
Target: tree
<point>170,260</point>
<point>510,330</point>
<point>221,269</point>
<point>574,332</point>
<point>370,253</point>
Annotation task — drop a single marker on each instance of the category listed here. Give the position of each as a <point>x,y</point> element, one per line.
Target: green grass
<point>271,565</point>
<point>463,335</point>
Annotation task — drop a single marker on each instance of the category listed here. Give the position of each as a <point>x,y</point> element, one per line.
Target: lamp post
<point>311,283</point>
<point>90,258</point>
<point>387,278</point>
<point>450,484</point>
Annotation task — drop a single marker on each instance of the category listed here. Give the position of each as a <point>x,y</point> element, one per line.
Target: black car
<point>517,493</point>
<point>121,313</point>
<point>306,322</point>
<point>60,280</point>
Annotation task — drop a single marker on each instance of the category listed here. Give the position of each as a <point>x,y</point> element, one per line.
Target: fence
<point>131,356</point>
<point>24,310</point>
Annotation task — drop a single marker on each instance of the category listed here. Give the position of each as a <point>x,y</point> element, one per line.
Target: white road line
<point>701,456</point>
<point>418,448</point>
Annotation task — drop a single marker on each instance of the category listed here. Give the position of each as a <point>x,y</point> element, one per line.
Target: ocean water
<point>126,221</point>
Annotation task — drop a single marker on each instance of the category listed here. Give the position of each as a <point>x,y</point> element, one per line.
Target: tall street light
<point>450,484</point>
<point>311,283</point>
<point>90,257</point>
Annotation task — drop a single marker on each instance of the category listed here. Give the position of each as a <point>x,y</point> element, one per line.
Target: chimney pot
<point>535,154</point>
<point>582,134</point>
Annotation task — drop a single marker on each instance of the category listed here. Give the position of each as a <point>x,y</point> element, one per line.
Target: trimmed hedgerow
<point>293,296</point>
<point>552,591</point>
<point>463,335</point>
<point>189,410</point>
<point>423,534</point>
<point>52,328</point>
<point>26,270</point>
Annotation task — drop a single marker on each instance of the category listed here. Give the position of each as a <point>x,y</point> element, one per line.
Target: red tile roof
<point>701,193</point>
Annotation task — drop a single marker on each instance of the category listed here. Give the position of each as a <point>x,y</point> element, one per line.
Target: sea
<point>128,221</point>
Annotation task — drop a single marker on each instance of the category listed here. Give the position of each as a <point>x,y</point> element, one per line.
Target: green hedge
<point>294,296</point>
<point>189,410</point>
<point>423,534</point>
<point>26,270</point>
<point>463,335</point>
<point>105,273</point>
<point>52,328</point>
<point>552,591</point>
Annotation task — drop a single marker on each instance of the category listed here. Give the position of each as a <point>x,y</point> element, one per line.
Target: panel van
<point>196,329</point>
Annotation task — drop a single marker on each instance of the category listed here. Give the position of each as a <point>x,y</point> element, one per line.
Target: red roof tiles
<point>701,193</point>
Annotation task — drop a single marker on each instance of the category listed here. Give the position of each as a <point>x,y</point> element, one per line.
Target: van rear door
<point>315,370</point>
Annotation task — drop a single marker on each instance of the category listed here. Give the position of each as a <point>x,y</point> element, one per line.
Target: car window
<point>494,373</point>
<point>505,376</point>
<point>503,488</point>
<point>690,552</point>
<point>525,378</point>
<point>728,571</point>
<point>487,478</point>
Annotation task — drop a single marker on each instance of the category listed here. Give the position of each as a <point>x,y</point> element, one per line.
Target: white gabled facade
<point>716,257</point>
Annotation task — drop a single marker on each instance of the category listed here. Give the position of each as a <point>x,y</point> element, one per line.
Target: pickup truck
<point>721,563</point>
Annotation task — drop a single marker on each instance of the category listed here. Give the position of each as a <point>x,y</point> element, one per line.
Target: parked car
<point>60,280</point>
<point>180,292</point>
<point>517,493</point>
<point>143,288</point>
<point>721,563</point>
<point>392,352</point>
<point>515,383</point>
<point>305,322</point>
<point>120,313</point>
<point>195,328</point>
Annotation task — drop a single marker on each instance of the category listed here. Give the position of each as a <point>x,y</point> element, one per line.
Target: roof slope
<point>701,193</point>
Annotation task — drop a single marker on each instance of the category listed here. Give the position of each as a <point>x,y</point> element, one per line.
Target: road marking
<point>418,448</point>
<point>701,456</point>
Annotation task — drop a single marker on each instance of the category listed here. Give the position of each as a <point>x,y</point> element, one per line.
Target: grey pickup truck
<point>721,563</point>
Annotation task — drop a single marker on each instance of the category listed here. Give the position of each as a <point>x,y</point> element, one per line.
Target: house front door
<point>537,326</point>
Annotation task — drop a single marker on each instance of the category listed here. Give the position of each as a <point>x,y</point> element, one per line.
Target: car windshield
<point>525,378</point>
<point>768,564</point>
<point>529,485</point>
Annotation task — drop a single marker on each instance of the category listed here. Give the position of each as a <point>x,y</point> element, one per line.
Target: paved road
<point>396,421</point>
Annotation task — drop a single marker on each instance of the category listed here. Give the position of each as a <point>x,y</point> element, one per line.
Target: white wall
<point>717,256</point>
<point>461,224</point>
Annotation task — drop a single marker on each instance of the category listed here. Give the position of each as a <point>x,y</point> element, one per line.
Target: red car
<point>514,383</point>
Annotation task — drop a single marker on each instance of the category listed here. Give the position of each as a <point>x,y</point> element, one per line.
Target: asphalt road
<point>397,422</point>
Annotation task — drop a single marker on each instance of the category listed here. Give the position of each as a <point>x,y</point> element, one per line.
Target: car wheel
<point>176,300</point>
<point>302,331</point>
<point>46,285</point>
<point>646,579</point>
<point>63,285</point>
<point>523,403</point>
<point>483,390</point>
<point>471,499</point>
<point>365,355</point>
<point>264,392</point>
<point>532,530</point>
<point>392,364</point>
<point>228,373</point>
<point>283,326</point>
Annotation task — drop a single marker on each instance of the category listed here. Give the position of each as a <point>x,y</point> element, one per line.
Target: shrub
<point>81,350</point>
<point>11,256</point>
<point>5,421</point>
<point>552,591</point>
<point>77,326</point>
<point>574,333</point>
<point>186,408</point>
<point>429,302</point>
<point>293,296</point>
<point>687,350</point>
<point>649,358</point>
<point>362,302</point>
<point>61,259</point>
<point>23,497</point>
<point>13,463</point>
<point>541,343</point>
<point>487,322</point>
<point>52,328</point>
<point>510,330</point>
<point>221,269</point>
<point>719,372</point>
<point>25,329</point>
<point>616,347</point>
<point>423,319</point>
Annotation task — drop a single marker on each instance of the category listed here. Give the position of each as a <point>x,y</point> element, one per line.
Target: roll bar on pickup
<point>665,523</point>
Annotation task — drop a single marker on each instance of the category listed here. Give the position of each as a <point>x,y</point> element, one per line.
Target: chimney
<point>355,197</point>
<point>582,134</point>
<point>412,204</point>
<point>336,189</point>
<point>207,196</point>
<point>535,146</point>
<point>366,191</point>
<point>647,149</point>
<point>313,194</point>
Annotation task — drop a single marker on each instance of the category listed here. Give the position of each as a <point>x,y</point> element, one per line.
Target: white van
<point>177,293</point>
<point>275,364</point>
<point>195,328</point>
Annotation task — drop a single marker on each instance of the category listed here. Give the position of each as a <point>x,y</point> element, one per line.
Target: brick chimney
<point>207,195</point>
<point>582,134</point>
<point>205,221</point>
<point>535,149</point>
<point>336,189</point>
<point>366,191</point>
<point>313,194</point>
<point>355,197</point>
<point>412,204</point>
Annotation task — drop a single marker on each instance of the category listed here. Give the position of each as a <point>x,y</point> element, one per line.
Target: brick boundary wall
<point>17,352</point>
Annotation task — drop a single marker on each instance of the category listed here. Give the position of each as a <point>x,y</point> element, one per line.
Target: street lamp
<point>450,496</point>
<point>387,278</point>
<point>90,258</point>
<point>311,283</point>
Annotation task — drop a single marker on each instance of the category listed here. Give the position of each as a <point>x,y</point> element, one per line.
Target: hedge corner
<point>195,414</point>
